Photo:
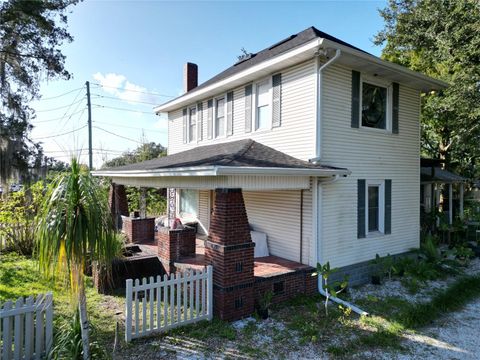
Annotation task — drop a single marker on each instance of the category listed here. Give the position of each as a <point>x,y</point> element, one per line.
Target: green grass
<point>20,276</point>
<point>398,316</point>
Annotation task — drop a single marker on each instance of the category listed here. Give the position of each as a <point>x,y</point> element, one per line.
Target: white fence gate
<point>162,304</point>
<point>26,328</point>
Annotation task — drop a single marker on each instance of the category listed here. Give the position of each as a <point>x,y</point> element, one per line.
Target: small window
<point>220,117</point>
<point>192,124</point>
<point>374,106</point>
<point>375,211</point>
<point>263,109</point>
<point>188,203</point>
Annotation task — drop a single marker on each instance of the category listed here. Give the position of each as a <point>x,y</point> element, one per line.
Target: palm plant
<point>75,227</point>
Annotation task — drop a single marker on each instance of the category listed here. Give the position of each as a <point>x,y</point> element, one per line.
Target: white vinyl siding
<point>277,213</point>
<point>295,136</point>
<point>203,211</point>
<point>369,155</point>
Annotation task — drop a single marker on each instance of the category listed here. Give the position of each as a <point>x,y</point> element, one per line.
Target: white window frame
<point>195,139</point>
<point>389,87</point>
<point>381,206</point>
<point>214,125</point>
<point>255,101</point>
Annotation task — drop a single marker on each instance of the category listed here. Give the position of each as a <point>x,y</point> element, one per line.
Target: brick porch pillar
<point>229,249</point>
<point>117,202</point>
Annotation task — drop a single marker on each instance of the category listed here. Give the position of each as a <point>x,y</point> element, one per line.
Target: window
<point>374,210</point>
<point>374,106</point>
<point>188,203</point>
<point>192,124</point>
<point>220,117</point>
<point>263,114</point>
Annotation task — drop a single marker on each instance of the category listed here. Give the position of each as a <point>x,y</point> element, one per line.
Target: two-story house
<point>322,138</point>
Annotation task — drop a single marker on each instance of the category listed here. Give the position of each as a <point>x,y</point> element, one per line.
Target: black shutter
<point>230,113</point>
<point>395,103</point>
<point>388,207</point>
<point>277,95</point>
<point>248,108</point>
<point>210,119</point>
<point>355,99</point>
<point>200,121</point>
<point>185,125</point>
<point>361,209</point>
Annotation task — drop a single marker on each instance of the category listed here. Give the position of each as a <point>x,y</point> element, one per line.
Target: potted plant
<point>264,304</point>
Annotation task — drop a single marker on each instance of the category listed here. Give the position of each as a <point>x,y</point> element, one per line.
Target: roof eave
<point>223,171</point>
<point>288,58</point>
<point>428,83</point>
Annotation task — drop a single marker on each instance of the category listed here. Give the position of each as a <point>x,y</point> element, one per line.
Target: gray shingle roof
<point>280,47</point>
<point>436,174</point>
<point>241,153</point>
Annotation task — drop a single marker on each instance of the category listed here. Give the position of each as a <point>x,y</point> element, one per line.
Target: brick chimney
<point>190,76</point>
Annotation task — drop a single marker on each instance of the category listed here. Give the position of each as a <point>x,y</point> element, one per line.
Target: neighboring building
<point>322,138</point>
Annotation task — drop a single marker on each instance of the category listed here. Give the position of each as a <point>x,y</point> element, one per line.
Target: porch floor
<point>264,267</point>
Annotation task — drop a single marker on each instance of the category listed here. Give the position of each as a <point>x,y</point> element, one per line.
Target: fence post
<point>210,291</point>
<point>7,333</point>
<point>128,310</point>
<point>18,333</point>
<point>49,323</point>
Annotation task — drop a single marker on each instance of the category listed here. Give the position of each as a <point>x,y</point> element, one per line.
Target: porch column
<point>450,204</point>
<point>117,202</point>
<point>171,204</point>
<point>461,200</point>
<point>437,202</point>
<point>229,249</point>
<point>143,202</point>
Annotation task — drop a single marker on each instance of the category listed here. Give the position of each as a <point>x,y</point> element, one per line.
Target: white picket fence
<point>161,304</point>
<point>26,328</point>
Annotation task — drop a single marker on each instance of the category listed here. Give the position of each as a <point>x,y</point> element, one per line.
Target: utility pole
<point>89,105</point>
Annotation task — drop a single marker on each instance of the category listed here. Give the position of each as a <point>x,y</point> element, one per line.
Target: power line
<point>60,107</point>
<point>137,91</point>
<point>125,126</point>
<point>57,96</point>
<point>120,136</point>
<point>122,109</point>
<point>58,118</point>
<point>83,150</point>
<point>65,133</point>
<point>119,99</point>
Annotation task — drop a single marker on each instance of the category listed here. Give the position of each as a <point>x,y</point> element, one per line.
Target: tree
<point>442,40</point>
<point>31,33</point>
<point>75,226</point>
<point>146,151</point>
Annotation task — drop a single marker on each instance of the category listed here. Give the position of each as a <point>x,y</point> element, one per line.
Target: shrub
<point>17,218</point>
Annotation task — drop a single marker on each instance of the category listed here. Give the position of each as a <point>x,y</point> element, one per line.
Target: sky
<point>133,52</point>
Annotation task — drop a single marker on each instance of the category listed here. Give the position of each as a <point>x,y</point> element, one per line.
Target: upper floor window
<point>374,106</point>
<point>220,117</point>
<point>192,124</point>
<point>263,106</point>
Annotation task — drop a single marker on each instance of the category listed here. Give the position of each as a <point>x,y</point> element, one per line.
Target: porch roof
<point>438,175</point>
<point>243,163</point>
<point>242,157</point>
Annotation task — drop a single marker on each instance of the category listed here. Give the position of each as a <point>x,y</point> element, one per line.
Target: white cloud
<point>118,85</point>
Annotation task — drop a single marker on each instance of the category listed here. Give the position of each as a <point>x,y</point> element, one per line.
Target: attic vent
<point>244,57</point>
<point>282,41</point>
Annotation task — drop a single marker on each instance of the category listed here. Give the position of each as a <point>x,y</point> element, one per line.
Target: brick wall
<point>173,244</point>
<point>229,249</point>
<point>139,230</point>
<point>286,286</point>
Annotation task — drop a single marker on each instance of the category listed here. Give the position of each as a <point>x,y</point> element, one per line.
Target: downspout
<point>301,226</point>
<point>319,108</point>
<point>321,290</point>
